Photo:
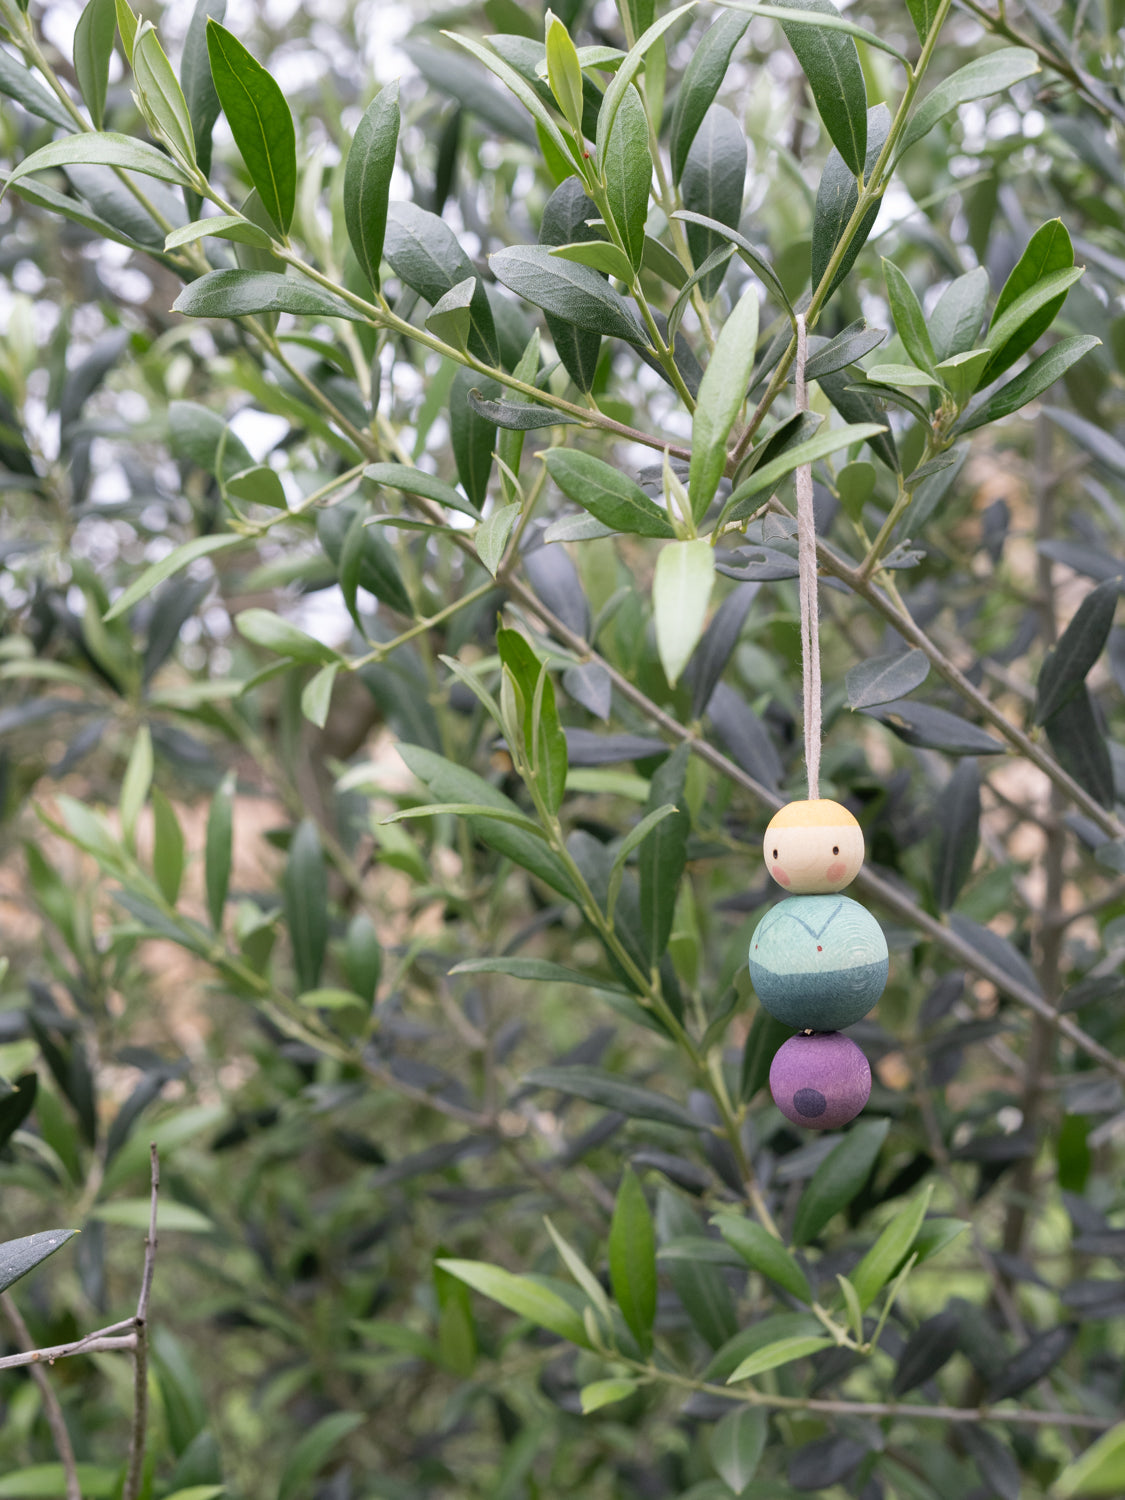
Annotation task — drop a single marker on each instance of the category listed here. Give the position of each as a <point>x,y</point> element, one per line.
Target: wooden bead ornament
<point>818,963</point>
<point>813,847</point>
<point>820,1081</point>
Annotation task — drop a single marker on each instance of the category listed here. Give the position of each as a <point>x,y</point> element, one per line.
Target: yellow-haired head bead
<point>813,848</point>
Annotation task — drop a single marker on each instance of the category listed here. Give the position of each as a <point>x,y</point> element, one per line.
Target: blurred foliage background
<point>216,941</point>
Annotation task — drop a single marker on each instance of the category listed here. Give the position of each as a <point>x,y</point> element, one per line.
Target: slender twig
<point>56,1421</point>
<point>94,1343</point>
<point>132,1487</point>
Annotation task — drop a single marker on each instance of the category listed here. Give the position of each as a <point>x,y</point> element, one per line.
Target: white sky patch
<point>260,431</point>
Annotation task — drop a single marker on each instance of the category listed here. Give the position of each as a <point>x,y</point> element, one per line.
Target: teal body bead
<point>818,963</point>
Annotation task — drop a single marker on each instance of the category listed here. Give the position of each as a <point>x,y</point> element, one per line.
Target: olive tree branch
<point>52,1410</point>
<point>134,1474</point>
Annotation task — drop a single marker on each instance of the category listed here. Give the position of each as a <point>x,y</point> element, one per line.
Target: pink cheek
<point>780,876</point>
<point>837,868</point>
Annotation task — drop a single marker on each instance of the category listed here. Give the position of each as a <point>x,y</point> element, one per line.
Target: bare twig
<point>51,1408</point>
<point>94,1343</point>
<point>132,1487</point>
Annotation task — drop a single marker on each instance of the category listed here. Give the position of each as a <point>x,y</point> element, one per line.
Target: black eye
<point>775,854</point>
<point>835,848</point>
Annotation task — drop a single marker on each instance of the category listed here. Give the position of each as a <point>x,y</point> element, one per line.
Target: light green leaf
<point>468,810</point>
<point>737,1444</point>
<point>681,589</point>
<point>608,494</point>
<point>417,482</point>
<point>721,394</point>
<point>316,696</point>
<point>764,1253</point>
<point>450,319</point>
<point>1099,1471</point>
<point>168,847</point>
<point>626,72</point>
<point>305,891</point>
<point>635,837</point>
<point>904,375</point>
<point>539,969</point>
<point>976,80</point>
<point>823,21</point>
<point>599,254</point>
<point>133,1213</point>
<point>100,148</point>
<point>784,1352</point>
<point>628,172</point>
<point>222,227</point>
<point>762,480</point>
<point>521,1295</point>
<point>263,628</point>
<point>176,561</point>
<point>492,535</point>
<point>889,1250</point>
<point>564,72</point>
<point>838,1178</point>
<point>604,1393</point>
<point>161,95</point>
<point>314,1450</point>
<point>910,321</point>
<point>49,1482</point>
<point>135,783</point>
<point>241,294</point>
<point>632,1259</point>
<point>218,849</point>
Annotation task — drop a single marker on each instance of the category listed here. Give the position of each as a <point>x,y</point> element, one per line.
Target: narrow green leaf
<point>537,969</point>
<point>956,320</point>
<point>881,1262</point>
<point>701,82</point>
<point>168,847</point>
<point>417,482</point>
<point>1039,376</point>
<point>883,678</point>
<point>608,494</point>
<point>467,810</point>
<point>1068,664</point>
<point>127,25</point>
<point>1098,1471</point>
<point>831,64</point>
<point>240,294</point>
<point>957,834</point>
<point>195,78</point>
<point>765,478</point>
<point>260,121</point>
<point>663,855</point>
<point>836,201</point>
<point>635,837</point>
<point>1080,746</point>
<point>712,187</point>
<point>764,1253</point>
<point>838,1178</point>
<point>523,91</point>
<point>626,72</point>
<point>632,1259</point>
<point>737,1444</point>
<point>313,1451</point>
<point>784,1352</point>
<point>851,1303</point>
<point>576,294</point>
<point>701,1286</point>
<point>1010,327</point>
<point>135,784</point>
<point>94,36</point>
<point>263,628</point>
<point>902,375</point>
<point>316,696</point>
<point>628,172</point>
<point>605,1393</point>
<point>18,1257</point>
<point>612,1092</point>
<point>721,394</point>
<point>18,82</point>
<point>564,72</point>
<point>218,850</point>
<point>367,180</point>
<point>681,589</point>
<point>492,535</point>
<point>976,80</point>
<point>748,252</point>
<point>162,98</point>
<point>105,149</point>
<point>220,226</point>
<point>823,21</point>
<point>910,321</point>
<point>175,562</point>
<point>305,891</point>
<point>521,1295</point>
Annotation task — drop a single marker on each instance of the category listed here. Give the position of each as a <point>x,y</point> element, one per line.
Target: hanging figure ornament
<point>818,960</point>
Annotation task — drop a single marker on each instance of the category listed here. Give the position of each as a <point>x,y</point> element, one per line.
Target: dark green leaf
<point>1080,746</point>
<point>18,82</point>
<point>363,957</point>
<point>910,321</point>
<point>608,494</point>
<point>998,949</point>
<point>932,728</point>
<point>376,565</point>
<point>544,741</point>
<point>240,294</point>
<point>217,852</point>
<point>712,186</point>
<point>845,349</point>
<point>976,80</point>
<point>425,254</point>
<point>836,200</point>
<point>737,1444</point>
<point>612,1092</point>
<point>632,1259</point>
<point>18,1257</point>
<point>839,1178</point>
<point>765,477</point>
<point>702,80</point>
<point>196,81</point>
<point>313,1450</point>
<point>168,847</point>
<point>260,121</point>
<point>305,889</point>
<point>957,833</point>
<point>922,13</point>
<point>628,171</point>
<point>765,1036</point>
<point>831,64</point>
<point>765,1253</point>
<point>1038,377</point>
<point>755,258</point>
<point>534,968</point>
<point>418,482</point>
<point>927,1350</point>
<point>1036,1359</point>
<point>955,322</point>
<point>721,394</point>
<point>367,180</point>
<point>523,416</point>
<point>858,407</point>
<point>470,86</point>
<point>1047,252</point>
<point>94,36</point>
<point>711,656</point>
<point>883,678</point>
<point>663,854</point>
<point>473,436</point>
<point>994,1460</point>
<point>700,1286</point>
<point>521,1295</point>
<point>564,222</point>
<point>1068,664</point>
<point>17,1105</point>
<point>575,294</point>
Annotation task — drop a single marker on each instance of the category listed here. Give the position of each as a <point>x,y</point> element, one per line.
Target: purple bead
<point>820,1081</point>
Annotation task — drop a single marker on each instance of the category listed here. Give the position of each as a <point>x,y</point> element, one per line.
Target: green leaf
<point>1014,331</point>
<point>612,1092</point>
<point>701,82</point>
<point>425,253</point>
<point>632,1259</point>
<point>626,72</point>
<point>923,14</point>
<point>761,480</point>
<point>957,833</point>
<point>600,255</point>
<point>976,80</point>
<point>162,98</point>
<point>305,891</point>
<point>608,494</point>
<point>221,226</point>
<point>195,78</point>
<point>240,294</point>
<point>544,741</point>
<point>200,436</point>
<point>127,25</point>
<point>492,535</point>
<point>721,394</point>
<point>888,1252</point>
<point>135,784</point>
<point>784,1352</point>
<point>736,1445</point>
<point>473,437</point>
<point>519,1294</point>
<point>19,83</point>
<point>94,36</point>
<point>712,187</point>
<point>882,678</point>
<point>910,321</point>
<point>575,294</point>
<point>564,72</point>
<point>519,416</point>
<point>960,374</point>
<point>1080,746</point>
<point>363,957</point>
<point>681,589</point>
<point>18,1257</point>
<point>763,1252</point>
<point>628,171</point>
<point>836,200</point>
<point>903,375</point>
<point>417,482</point>
<point>838,1178</point>
<point>762,1041</point>
<point>956,321</point>
<point>701,1286</point>
<point>314,1450</point>
<point>589,1283</point>
<point>49,1482</point>
<point>316,696</point>
<point>260,121</point>
<point>367,179</point>
<point>831,64</point>
<point>1038,377</point>
<point>260,485</point>
<point>539,969</point>
<point>753,257</point>
<point>830,21</point>
<point>263,628</point>
<point>1067,664</point>
<point>467,810</point>
<point>523,91</point>
<point>451,320</point>
<point>104,148</point>
<point>168,847</point>
<point>133,1213</point>
<point>1098,1471</point>
<point>663,855</point>
<point>218,849</point>
<point>605,1393</point>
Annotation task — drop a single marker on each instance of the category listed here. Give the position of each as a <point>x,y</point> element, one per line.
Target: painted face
<point>813,848</point>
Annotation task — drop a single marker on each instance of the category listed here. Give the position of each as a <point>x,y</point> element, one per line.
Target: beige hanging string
<point>806,559</point>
